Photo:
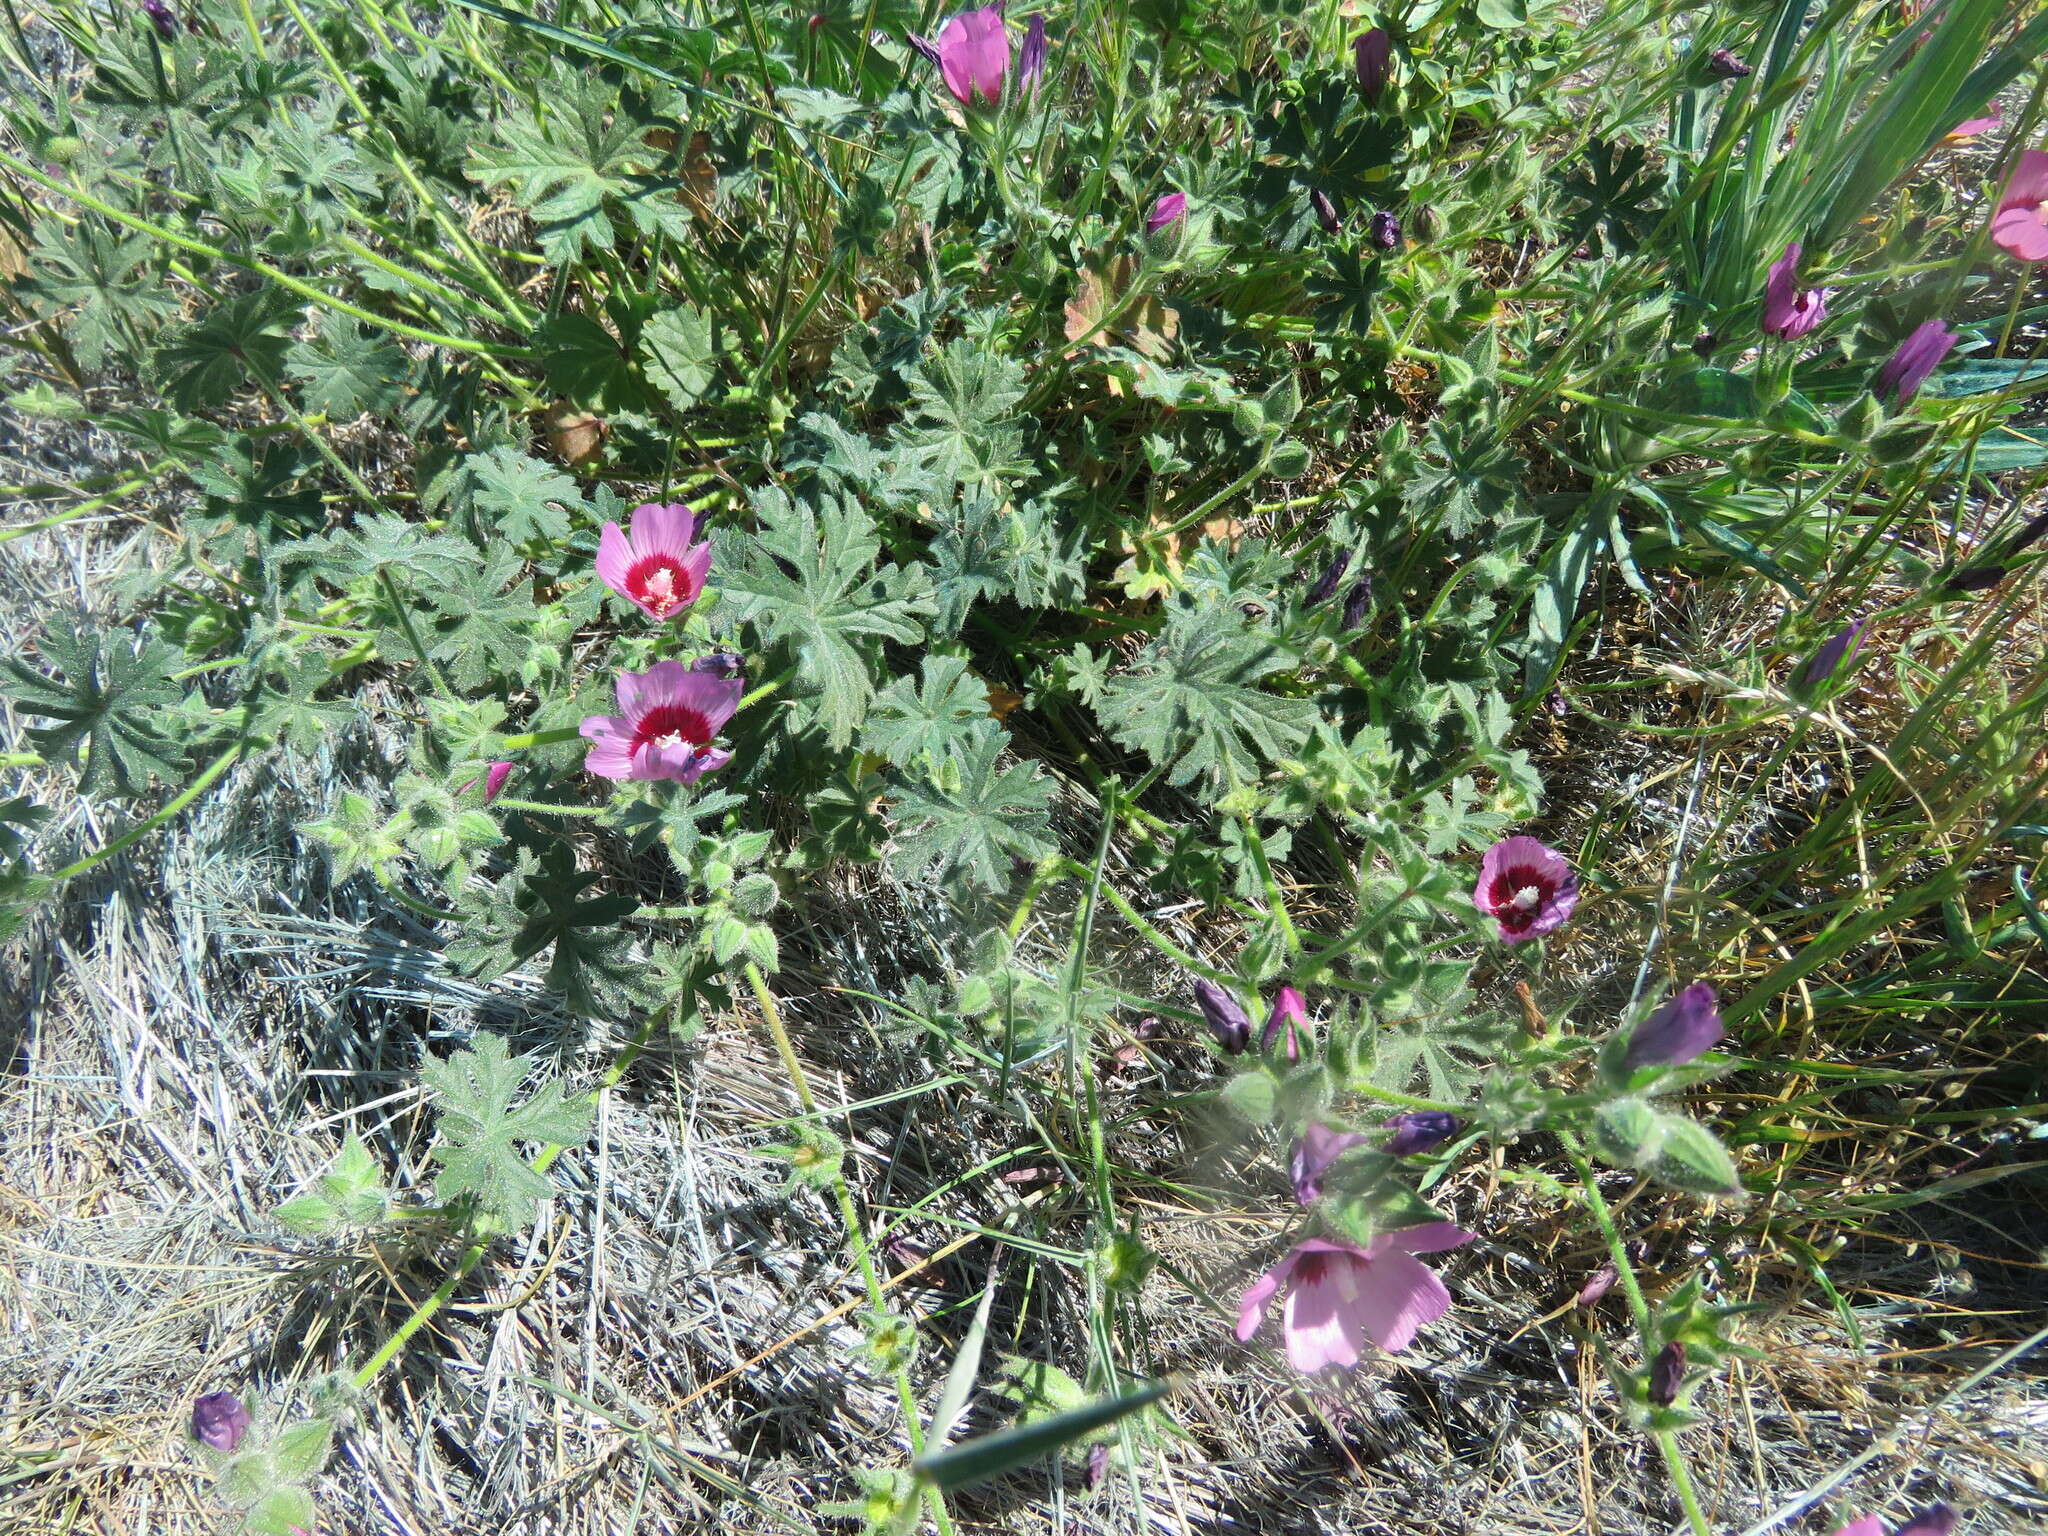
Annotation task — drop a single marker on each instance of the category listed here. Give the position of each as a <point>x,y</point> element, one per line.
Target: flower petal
<point>611,746</point>
<point>662,529</point>
<point>1863,1525</point>
<point>2027,186</point>
<point>1251,1309</point>
<point>1323,1320</point>
<point>2021,233</point>
<point>1396,1296</point>
<point>614,557</point>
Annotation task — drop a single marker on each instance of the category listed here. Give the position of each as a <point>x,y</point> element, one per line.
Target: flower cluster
<point>670,714</point>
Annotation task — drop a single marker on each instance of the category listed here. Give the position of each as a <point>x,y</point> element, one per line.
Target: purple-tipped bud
<point>1386,230</point>
<point>219,1420</point>
<point>924,46</point>
<point>1934,1520</point>
<point>1831,655</point>
<point>1667,1373</point>
<point>1326,211</point>
<point>1326,583</point>
<point>1098,1465</point>
<point>1918,356</point>
<point>1317,1147</point>
<point>1598,1284</point>
<point>494,780</point>
<point>1168,211</point>
<point>1225,1016</point>
<point>1358,602</point>
<point>1724,65</point>
<point>720,664</point>
<point>1285,1023</point>
<point>163,18</point>
<point>1031,55</point>
<point>1420,1130</point>
<point>1706,344</point>
<point>1684,1028</point>
<point>1373,53</point>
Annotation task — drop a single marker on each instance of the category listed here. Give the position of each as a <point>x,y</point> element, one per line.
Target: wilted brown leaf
<point>574,434</point>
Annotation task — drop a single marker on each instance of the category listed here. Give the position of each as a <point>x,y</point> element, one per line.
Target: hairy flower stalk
<point>656,566</point>
<point>1338,1295</point>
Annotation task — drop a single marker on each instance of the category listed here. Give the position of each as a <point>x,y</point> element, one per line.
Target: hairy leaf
<point>484,1126</point>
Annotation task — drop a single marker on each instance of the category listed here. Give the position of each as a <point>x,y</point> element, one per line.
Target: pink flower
<point>1968,129</point>
<point>657,566</point>
<point>2020,227</point>
<point>1790,311</point>
<point>1863,1525</point>
<point>1169,210</point>
<point>974,55</point>
<point>494,781</point>
<point>1290,1014</point>
<point>669,715</point>
<point>1525,887</point>
<point>1338,1295</point>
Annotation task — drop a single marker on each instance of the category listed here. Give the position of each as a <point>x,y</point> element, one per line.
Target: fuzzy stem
<point>1639,1309</point>
<point>856,1236</point>
<point>191,792</point>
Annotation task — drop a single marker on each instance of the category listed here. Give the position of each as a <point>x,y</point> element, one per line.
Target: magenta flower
<point>1168,211</point>
<point>219,1420</point>
<point>494,781</point>
<point>656,566</point>
<point>1598,1284</point>
<point>1526,888</point>
<point>1918,356</point>
<point>668,717</point>
<point>974,55</point>
<point>1420,1130</point>
<point>1687,1026</point>
<point>1290,1014</point>
<point>1373,53</point>
<point>1314,1150</point>
<point>1790,311</point>
<point>1338,1295</point>
<point>1863,1525</point>
<point>2020,227</point>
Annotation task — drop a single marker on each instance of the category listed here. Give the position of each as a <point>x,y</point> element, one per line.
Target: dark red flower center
<point>660,584</point>
<point>1517,895</point>
<point>671,725</point>
<point>1310,1268</point>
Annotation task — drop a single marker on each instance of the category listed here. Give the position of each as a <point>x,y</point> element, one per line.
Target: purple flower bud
<point>1386,230</point>
<point>1420,1130</point>
<point>1667,1373</point>
<point>1168,211</point>
<point>1225,1016</point>
<point>924,46</point>
<point>1290,1014</point>
<point>1687,1026</point>
<point>164,19</point>
<point>1918,356</point>
<point>219,1420</point>
<point>1317,1148</point>
<point>1098,1465</point>
<point>1706,344</point>
<point>720,664</point>
<point>1357,602</point>
<point>1830,656</point>
<point>494,780</point>
<point>1934,1520</point>
<point>1724,65</point>
<point>1326,211</point>
<point>1374,53</point>
<point>2036,526</point>
<point>1327,582</point>
<point>1598,1284</point>
<point>1031,55</point>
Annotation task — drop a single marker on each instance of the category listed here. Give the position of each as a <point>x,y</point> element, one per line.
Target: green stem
<point>856,1236</point>
<point>191,792</point>
<point>277,275</point>
<point>1639,1309</point>
<point>542,808</point>
<point>538,738</point>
